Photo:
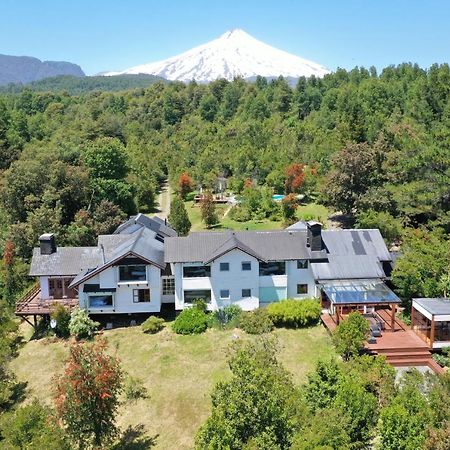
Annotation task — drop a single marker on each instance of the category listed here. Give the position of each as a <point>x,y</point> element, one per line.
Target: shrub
<point>62,318</point>
<point>350,335</point>
<point>294,313</point>
<point>134,389</point>
<point>81,325</point>
<point>152,325</point>
<point>191,321</point>
<point>200,304</point>
<point>443,358</point>
<point>256,322</point>
<point>227,317</point>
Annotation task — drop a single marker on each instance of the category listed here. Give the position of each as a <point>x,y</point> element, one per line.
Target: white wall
<point>299,276</point>
<point>123,297</point>
<point>45,294</point>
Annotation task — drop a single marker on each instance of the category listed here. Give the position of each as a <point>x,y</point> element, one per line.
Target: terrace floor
<point>401,347</point>
<point>32,304</point>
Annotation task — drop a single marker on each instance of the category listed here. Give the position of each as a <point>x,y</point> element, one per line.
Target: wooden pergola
<point>370,297</point>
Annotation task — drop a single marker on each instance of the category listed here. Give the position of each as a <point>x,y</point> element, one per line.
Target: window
<point>141,295</point>
<point>132,273</point>
<point>246,265</point>
<point>168,286</point>
<point>246,293</point>
<point>198,294</point>
<point>224,293</point>
<point>224,267</point>
<point>302,263</point>
<point>196,271</point>
<point>100,301</point>
<point>302,289</point>
<point>272,268</point>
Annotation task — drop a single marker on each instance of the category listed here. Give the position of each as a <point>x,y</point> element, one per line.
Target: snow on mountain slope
<point>233,54</point>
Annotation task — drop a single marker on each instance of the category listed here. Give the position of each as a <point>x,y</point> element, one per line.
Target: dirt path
<point>164,201</point>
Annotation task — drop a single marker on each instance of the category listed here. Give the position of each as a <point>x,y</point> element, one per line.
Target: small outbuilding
<point>430,319</point>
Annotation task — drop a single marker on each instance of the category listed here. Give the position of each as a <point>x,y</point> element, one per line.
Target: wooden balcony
<point>31,304</point>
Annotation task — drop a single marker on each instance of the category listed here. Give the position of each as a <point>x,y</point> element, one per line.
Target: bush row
<point>286,313</point>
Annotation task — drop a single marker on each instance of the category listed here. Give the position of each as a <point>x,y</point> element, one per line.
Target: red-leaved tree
<point>185,184</point>
<point>295,176</point>
<point>289,205</point>
<point>86,395</point>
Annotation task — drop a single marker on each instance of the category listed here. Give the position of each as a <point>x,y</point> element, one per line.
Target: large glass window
<point>100,301</point>
<point>272,268</point>
<point>141,295</point>
<point>197,294</point>
<point>196,271</point>
<point>132,273</point>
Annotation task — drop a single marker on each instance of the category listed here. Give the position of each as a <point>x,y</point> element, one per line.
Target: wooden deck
<point>32,304</point>
<point>401,347</point>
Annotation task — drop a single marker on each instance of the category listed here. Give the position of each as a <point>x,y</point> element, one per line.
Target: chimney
<point>47,243</point>
<point>314,236</point>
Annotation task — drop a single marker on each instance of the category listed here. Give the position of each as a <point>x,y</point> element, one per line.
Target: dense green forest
<point>373,146</point>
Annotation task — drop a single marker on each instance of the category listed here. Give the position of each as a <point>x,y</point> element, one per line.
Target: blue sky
<point>117,34</point>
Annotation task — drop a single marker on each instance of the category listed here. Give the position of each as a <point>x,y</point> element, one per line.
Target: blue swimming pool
<point>278,197</point>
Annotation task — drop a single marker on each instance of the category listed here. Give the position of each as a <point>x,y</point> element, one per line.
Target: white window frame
<point>99,294</point>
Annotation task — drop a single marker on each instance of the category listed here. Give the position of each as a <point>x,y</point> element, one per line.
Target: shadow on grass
<point>135,438</point>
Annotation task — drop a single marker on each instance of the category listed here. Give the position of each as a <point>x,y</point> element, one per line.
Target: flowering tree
<point>86,395</point>
<point>185,184</point>
<point>295,176</point>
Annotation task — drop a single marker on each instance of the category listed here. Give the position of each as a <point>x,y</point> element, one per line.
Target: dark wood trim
<point>393,309</point>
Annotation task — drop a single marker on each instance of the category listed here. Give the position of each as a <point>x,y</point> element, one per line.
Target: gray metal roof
<point>66,261</point>
<point>141,243</point>
<point>232,243</point>
<point>348,267</point>
<point>268,245</point>
<point>435,306</point>
<point>155,224</point>
<point>356,242</point>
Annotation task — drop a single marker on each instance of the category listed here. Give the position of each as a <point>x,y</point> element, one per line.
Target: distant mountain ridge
<point>25,69</point>
<point>234,54</point>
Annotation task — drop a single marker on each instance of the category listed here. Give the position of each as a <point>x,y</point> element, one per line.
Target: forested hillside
<point>377,147</point>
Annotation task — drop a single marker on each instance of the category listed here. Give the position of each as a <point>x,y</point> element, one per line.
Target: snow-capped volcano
<point>233,54</point>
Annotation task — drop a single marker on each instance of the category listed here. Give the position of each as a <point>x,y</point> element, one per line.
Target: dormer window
<point>133,273</point>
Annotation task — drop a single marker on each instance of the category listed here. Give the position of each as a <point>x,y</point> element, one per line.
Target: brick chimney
<point>47,244</point>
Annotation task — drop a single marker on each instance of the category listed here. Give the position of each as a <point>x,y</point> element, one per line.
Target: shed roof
<point>435,306</point>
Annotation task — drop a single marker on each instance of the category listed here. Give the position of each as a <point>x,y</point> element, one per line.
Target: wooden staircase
<point>404,348</point>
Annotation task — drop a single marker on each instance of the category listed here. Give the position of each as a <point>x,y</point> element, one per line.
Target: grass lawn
<point>304,212</point>
<point>178,372</point>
